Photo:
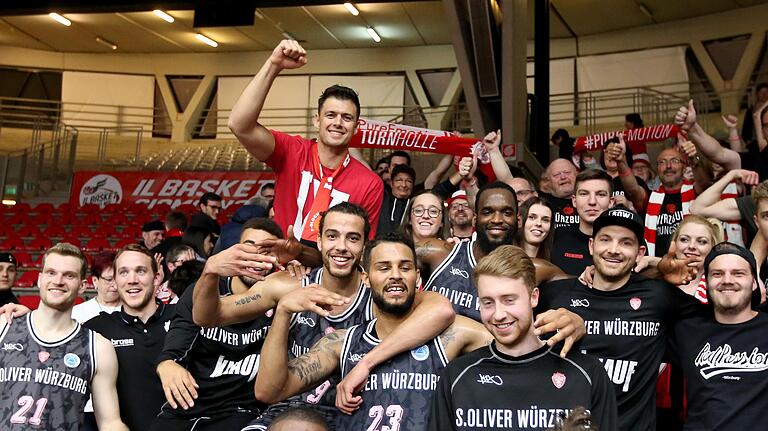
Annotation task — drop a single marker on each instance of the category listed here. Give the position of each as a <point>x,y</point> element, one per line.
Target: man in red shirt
<point>311,175</point>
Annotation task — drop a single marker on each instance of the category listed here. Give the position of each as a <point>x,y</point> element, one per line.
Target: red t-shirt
<point>295,184</point>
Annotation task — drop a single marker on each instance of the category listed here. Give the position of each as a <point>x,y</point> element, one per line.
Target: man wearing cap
<point>152,234</point>
<point>8,274</point>
<point>724,356</point>
<point>461,215</point>
<point>396,198</point>
<point>627,316</point>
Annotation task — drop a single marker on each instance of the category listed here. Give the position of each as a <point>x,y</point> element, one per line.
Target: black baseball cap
<point>153,225</point>
<point>620,216</point>
<point>731,248</point>
<point>8,258</point>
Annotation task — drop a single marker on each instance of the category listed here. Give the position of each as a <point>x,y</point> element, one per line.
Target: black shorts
<point>225,422</point>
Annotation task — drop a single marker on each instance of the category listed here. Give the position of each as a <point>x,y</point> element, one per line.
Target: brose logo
<point>101,190</point>
<point>301,320</point>
<point>484,379</point>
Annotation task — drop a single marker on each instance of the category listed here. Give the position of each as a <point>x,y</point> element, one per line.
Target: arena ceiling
<point>319,24</point>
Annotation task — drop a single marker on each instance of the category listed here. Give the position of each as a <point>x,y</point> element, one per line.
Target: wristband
<point>626,173</point>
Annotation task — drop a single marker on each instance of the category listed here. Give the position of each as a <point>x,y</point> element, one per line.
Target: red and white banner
<point>657,133</point>
<point>172,188</point>
<point>378,134</point>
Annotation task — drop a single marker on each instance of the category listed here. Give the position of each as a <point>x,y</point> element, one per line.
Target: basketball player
<point>50,364</point>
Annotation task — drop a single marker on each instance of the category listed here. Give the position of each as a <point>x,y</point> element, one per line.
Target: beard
<point>397,309</point>
<point>613,273</point>
<point>732,306</point>
<point>487,245</point>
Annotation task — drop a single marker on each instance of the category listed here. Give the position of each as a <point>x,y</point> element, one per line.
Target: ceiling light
<point>375,36</point>
<point>258,14</point>
<point>105,42</point>
<point>60,19</point>
<point>207,40</point>
<point>351,8</point>
<point>163,15</point>
<point>644,9</point>
<point>9,202</point>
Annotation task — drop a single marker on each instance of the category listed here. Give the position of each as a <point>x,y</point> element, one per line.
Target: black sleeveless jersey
<point>223,360</point>
<point>308,328</point>
<point>398,394</point>
<point>453,279</point>
<point>44,385</point>
<point>487,389</point>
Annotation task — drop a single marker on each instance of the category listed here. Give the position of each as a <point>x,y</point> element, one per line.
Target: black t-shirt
<point>564,212</point>
<point>137,346</point>
<point>570,250</point>
<point>487,389</point>
<point>670,216</point>
<point>7,297</point>
<point>747,212</point>
<point>726,369</point>
<point>627,331</point>
<point>756,161</point>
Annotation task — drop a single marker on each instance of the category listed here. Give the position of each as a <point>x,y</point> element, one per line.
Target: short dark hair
<point>493,186</point>
<point>263,223</point>
<point>403,169</point>
<point>185,275</point>
<point>176,220</point>
<point>138,248</point>
<point>383,160</point>
<point>195,237</point>
<point>269,185</point>
<point>395,237</point>
<point>400,153</point>
<point>302,414</point>
<point>559,133</point>
<point>593,174</point>
<point>348,208</point>
<point>635,119</point>
<point>102,261</point>
<point>760,86</point>
<point>209,196</point>
<point>339,92</point>
<point>175,251</point>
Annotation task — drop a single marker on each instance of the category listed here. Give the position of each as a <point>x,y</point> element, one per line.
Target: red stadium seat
<point>30,301</point>
<point>89,208</point>
<point>74,240</point>
<point>54,229</point>
<point>12,242</point>
<point>44,207</point>
<point>22,207</point>
<point>28,230</point>
<point>38,243</point>
<point>186,209</point>
<point>97,244</point>
<point>106,230</point>
<point>64,207</point>
<point>28,279</point>
<point>24,259</point>
<point>81,230</point>
<point>125,241</point>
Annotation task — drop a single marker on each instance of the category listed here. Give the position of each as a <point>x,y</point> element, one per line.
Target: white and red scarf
<point>688,195</point>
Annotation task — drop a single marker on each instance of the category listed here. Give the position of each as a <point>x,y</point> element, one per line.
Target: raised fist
<point>288,55</point>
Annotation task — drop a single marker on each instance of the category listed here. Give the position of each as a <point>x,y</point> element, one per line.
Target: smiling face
<point>392,276</point>
<point>8,273</point>
<point>729,284</point>
<point>694,240</point>
<point>341,243</point>
<point>562,178</point>
<point>106,287</point>
<point>538,224</point>
<point>506,308</point>
<point>670,165</point>
<point>336,122</point>
<point>496,219</point>
<point>402,185</point>
<point>460,213</point>
<point>60,281</point>
<point>615,251</point>
<point>592,197</point>
<point>135,280</point>
<point>429,220</point>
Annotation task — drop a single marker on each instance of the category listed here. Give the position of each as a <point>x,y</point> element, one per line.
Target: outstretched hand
<point>567,325</point>
<point>676,270</point>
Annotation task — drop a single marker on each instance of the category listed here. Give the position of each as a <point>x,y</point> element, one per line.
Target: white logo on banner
<point>101,190</point>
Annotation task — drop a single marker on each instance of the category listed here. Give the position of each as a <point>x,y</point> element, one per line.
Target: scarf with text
<point>688,195</point>
<point>657,133</point>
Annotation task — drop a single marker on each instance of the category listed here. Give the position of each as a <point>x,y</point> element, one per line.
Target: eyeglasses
<point>459,205</point>
<point>431,211</point>
<point>524,192</point>
<point>403,180</point>
<point>673,162</point>
<point>214,207</point>
<point>108,280</point>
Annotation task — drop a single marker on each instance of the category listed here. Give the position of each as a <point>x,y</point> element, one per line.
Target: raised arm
<point>244,118</point>
<point>209,310</point>
<point>440,170</point>
<point>634,192</point>
<point>732,124</point>
<point>757,120</point>
<point>105,403</point>
<point>709,147</point>
<point>709,204</point>
<point>491,141</point>
<point>279,378</point>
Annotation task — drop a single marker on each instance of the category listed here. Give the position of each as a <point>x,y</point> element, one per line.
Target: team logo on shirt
<point>724,360</point>
<point>568,210</point>
<point>420,353</point>
<point>635,302</point>
<point>71,360</point>
<point>671,208</point>
<point>329,330</point>
<point>558,379</point>
<point>43,355</point>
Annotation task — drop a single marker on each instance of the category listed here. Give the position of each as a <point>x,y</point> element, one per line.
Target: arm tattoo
<point>448,336</point>
<point>308,367</point>
<point>248,299</point>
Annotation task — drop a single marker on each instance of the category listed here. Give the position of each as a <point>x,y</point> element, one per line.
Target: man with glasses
<point>670,202</point>
<point>210,206</point>
<point>176,255</point>
<point>561,174</point>
<point>524,190</point>
<point>461,215</point>
<point>396,198</point>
